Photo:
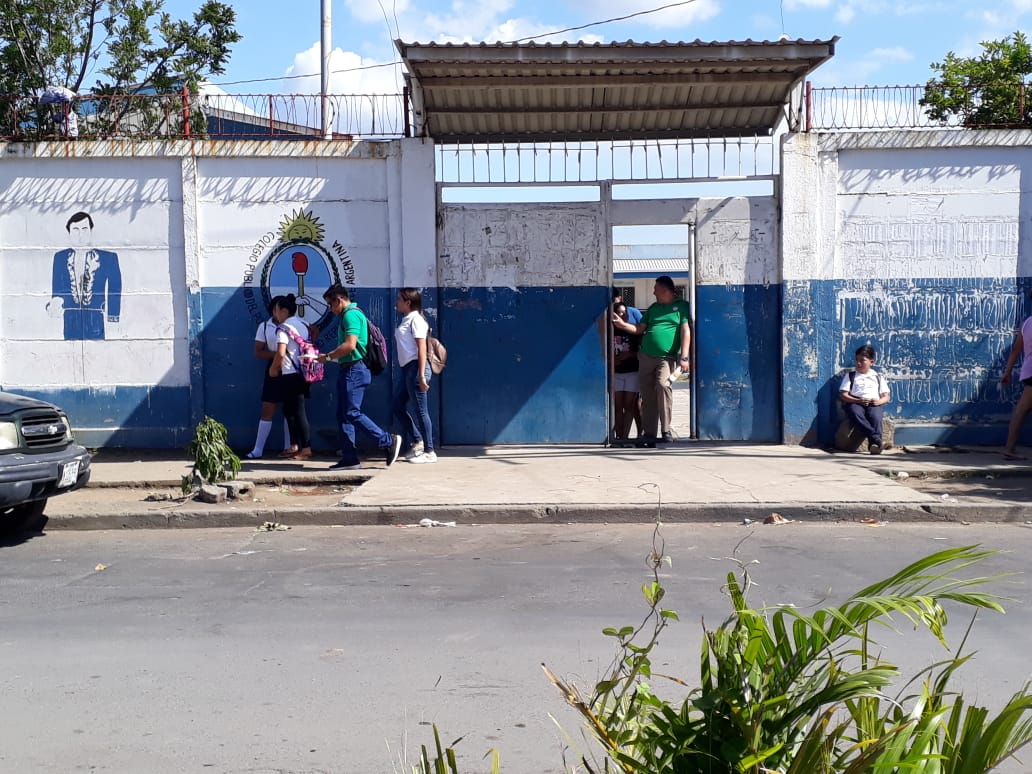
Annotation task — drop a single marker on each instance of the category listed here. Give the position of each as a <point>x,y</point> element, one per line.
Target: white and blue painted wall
<point>738,298</point>
<point>917,243</point>
<point>524,291</point>
<point>133,277</point>
<point>186,245</point>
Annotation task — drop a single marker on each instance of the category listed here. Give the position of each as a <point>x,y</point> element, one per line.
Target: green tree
<point>984,90</point>
<point>122,46</point>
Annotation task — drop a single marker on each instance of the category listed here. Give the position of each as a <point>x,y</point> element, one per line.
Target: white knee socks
<point>264,428</point>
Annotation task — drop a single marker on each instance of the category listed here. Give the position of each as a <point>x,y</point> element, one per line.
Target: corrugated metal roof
<point>651,266</point>
<point>498,92</point>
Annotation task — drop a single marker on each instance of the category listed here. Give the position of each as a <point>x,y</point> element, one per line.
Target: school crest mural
<point>294,259</point>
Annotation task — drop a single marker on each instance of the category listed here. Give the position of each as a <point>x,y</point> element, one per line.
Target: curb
<point>233,515</point>
<point>303,477</point>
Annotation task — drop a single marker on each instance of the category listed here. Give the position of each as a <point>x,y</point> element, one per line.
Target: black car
<point>39,458</point>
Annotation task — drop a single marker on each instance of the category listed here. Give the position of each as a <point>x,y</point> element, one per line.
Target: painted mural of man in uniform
<point>87,283</point>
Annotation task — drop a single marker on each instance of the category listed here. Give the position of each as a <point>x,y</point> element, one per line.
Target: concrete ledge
<point>730,513</point>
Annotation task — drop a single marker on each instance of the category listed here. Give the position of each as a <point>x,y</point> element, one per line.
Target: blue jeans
<point>351,386</point>
<point>867,418</point>
<point>407,393</point>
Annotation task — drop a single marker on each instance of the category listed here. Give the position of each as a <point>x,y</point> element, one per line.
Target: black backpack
<point>375,357</point>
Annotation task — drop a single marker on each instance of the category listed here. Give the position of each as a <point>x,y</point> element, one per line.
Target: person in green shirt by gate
<point>666,334</point>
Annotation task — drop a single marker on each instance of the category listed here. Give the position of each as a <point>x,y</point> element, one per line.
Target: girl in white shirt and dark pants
<point>410,339</point>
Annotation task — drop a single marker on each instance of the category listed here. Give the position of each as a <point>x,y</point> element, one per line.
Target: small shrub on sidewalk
<point>214,460</point>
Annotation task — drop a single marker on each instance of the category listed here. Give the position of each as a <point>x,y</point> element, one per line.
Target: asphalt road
<point>332,649</point>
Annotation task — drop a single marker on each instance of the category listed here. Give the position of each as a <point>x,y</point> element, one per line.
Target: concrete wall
<point>524,292</point>
<point>189,243</point>
<point>738,383</point>
<point>917,243</point>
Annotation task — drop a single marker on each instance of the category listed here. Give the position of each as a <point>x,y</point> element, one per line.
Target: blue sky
<point>883,42</point>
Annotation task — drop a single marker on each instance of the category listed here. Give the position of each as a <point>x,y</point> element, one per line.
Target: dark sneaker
<point>668,437</point>
<point>343,465</point>
<point>391,452</point>
<point>646,442</point>
<point>874,447</point>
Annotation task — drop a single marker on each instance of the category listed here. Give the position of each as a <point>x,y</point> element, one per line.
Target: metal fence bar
<point>593,161</point>
<point>211,116</point>
<point>914,107</point>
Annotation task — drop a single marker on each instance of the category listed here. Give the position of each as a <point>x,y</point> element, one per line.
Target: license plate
<point>69,473</point>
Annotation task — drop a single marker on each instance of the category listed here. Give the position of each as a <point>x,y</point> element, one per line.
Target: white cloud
<point>795,5</point>
<point>350,73</point>
<point>849,10</point>
<point>845,14</point>
<point>373,11</point>
<point>465,21</point>
<point>369,113</point>
<point>864,69</point>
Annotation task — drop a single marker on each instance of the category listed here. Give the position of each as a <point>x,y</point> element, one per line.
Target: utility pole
<point>327,117</point>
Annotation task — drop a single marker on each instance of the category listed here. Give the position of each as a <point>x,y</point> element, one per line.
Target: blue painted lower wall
<point>232,376</point>
<point>529,366</point>
<point>524,366</point>
<point>132,417</point>
<point>941,342</point>
<point>738,362</point>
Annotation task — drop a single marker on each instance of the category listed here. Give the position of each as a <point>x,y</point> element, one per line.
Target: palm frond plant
<point>782,691</point>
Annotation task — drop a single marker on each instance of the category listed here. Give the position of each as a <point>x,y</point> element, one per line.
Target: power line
<point>605,21</point>
<point>306,75</point>
<point>518,40</point>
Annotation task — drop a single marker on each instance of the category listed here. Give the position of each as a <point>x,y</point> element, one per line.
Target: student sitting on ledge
<point>863,392</point>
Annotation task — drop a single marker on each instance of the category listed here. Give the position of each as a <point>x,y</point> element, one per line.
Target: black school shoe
<point>646,442</point>
<point>875,446</point>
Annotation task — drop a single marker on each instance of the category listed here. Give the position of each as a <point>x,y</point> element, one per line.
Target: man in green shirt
<point>666,334</point>
<point>354,377</point>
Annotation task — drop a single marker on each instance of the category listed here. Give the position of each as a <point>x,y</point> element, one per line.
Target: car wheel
<point>26,517</point>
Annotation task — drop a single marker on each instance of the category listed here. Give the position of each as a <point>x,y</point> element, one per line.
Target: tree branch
<point>87,46</point>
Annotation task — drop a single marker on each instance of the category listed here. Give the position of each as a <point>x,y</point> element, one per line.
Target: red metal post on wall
<point>186,111</point>
<point>809,105</point>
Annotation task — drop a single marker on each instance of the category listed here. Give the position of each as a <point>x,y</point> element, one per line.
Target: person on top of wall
<point>352,380</point>
<point>863,393</point>
<point>266,345</point>
<point>86,284</point>
<point>411,390</point>
<point>285,371</point>
<point>625,380</point>
<point>666,334</point>
<point>1022,346</point>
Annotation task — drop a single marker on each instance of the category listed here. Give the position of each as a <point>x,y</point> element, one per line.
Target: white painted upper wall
<point>939,205</point>
<point>736,238</point>
<point>736,241</point>
<point>522,245</point>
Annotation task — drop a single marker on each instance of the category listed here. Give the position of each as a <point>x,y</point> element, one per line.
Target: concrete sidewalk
<point>711,482</point>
